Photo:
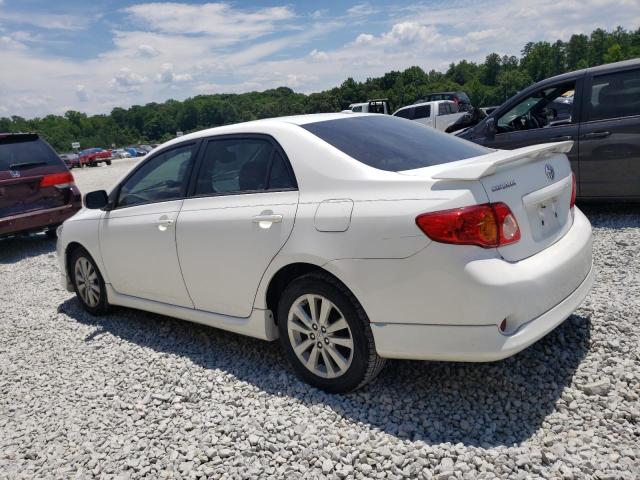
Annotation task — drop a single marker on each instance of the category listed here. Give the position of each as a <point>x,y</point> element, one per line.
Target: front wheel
<point>325,334</point>
<point>88,282</point>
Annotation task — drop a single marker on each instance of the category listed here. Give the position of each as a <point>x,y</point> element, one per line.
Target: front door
<point>241,214</point>
<point>547,115</point>
<point>610,136</point>
<point>137,237</point>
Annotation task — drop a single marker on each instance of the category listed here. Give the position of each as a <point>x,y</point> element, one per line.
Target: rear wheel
<point>51,232</point>
<point>88,283</point>
<point>108,162</point>
<point>325,334</point>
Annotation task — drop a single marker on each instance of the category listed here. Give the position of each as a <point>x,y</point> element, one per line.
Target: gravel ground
<point>134,395</point>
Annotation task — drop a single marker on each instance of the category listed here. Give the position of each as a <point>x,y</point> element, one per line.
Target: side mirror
<point>490,126</point>
<point>96,200</point>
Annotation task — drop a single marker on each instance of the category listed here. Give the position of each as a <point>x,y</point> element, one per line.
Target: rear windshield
<point>393,144</point>
<point>21,151</point>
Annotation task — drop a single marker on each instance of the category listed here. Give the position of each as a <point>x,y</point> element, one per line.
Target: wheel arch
<point>286,274</point>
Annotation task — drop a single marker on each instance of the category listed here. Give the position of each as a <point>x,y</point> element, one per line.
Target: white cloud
<point>362,10</point>
<point>147,51</point>
<point>179,50</point>
<point>126,81</point>
<point>47,21</point>
<point>167,75</point>
<point>219,20</point>
<point>81,93</point>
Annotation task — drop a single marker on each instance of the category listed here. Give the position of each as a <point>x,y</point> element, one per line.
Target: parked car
<point>372,106</point>
<point>121,153</point>
<point>461,98</point>
<point>136,152</point>
<point>37,191</point>
<point>95,156</point>
<point>597,108</point>
<point>352,238</point>
<point>438,114</point>
<point>71,160</point>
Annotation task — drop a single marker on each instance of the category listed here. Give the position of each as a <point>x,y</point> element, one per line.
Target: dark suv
<point>37,191</point>
<point>598,108</point>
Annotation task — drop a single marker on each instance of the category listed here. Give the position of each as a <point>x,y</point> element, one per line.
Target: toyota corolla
<point>352,238</point>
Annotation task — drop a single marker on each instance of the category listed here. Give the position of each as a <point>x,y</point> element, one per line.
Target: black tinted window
<point>615,95</point>
<point>423,111</point>
<point>406,113</point>
<point>23,151</point>
<point>234,165</point>
<point>280,178</point>
<point>160,179</point>
<point>393,144</point>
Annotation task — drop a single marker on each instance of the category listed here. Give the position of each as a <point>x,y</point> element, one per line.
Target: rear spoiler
<point>487,164</point>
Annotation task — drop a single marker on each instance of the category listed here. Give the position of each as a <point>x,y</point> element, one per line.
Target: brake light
<point>574,190</point>
<point>487,225</point>
<point>63,179</point>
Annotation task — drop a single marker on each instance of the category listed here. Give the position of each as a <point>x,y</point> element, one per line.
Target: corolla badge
<point>14,173</point>
<point>549,171</point>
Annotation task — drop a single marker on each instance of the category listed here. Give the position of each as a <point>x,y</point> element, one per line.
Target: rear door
<point>25,160</point>
<point>240,215</point>
<point>534,120</point>
<point>610,135</point>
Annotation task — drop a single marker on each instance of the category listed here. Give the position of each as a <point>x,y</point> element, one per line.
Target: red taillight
<point>488,225</point>
<point>60,179</point>
<point>574,190</point>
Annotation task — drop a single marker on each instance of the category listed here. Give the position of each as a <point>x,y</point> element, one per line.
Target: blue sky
<point>94,55</point>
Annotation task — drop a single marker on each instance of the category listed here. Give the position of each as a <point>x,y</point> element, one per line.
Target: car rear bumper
<point>467,343</point>
<point>447,301</point>
<point>38,219</point>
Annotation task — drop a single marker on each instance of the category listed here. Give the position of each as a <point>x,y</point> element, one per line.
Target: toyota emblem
<point>549,172</point>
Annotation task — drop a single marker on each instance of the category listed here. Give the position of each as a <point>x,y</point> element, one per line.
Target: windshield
<point>16,150</point>
<point>392,143</point>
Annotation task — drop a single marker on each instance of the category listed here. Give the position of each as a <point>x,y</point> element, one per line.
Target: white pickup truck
<point>372,106</point>
<point>437,114</point>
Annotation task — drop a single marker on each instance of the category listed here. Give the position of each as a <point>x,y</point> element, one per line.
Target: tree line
<point>487,83</point>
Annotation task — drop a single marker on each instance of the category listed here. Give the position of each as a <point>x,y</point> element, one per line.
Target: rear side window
<point>24,151</point>
<point>393,144</point>
<point>423,111</point>
<point>405,113</point>
<point>615,95</point>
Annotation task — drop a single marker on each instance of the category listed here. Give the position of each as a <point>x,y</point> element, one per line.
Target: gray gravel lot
<point>134,395</point>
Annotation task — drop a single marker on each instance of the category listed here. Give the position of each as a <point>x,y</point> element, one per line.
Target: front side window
<point>393,144</point>
<point>405,113</point>
<point>357,109</point>
<point>547,107</point>
<point>241,165</point>
<point>423,111</point>
<point>161,179</point>
<point>615,95</point>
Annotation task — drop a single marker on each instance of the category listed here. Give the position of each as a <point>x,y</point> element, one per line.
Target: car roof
<point>598,69</point>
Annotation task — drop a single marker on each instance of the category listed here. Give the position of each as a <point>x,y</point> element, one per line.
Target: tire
<point>108,162</point>
<point>357,364</point>
<point>81,264</point>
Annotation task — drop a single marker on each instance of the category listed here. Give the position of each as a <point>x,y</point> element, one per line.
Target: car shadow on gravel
<point>485,405</point>
<point>612,215</point>
<point>15,249</point>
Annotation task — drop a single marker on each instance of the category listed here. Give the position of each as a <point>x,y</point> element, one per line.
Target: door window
<point>423,111</point>
<point>242,165</point>
<point>160,179</point>
<point>546,107</point>
<point>405,113</point>
<point>615,95</point>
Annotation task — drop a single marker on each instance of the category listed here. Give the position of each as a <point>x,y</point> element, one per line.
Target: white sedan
<point>352,237</point>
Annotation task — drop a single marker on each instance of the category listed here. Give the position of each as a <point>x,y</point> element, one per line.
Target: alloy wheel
<point>87,282</point>
<point>320,336</point>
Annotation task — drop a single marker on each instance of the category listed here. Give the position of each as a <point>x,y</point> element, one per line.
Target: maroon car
<point>37,191</point>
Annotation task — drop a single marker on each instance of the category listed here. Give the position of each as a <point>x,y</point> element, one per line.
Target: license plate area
<point>547,210</point>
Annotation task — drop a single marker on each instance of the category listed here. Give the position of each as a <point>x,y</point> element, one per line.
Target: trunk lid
<point>25,160</point>
<point>534,182</point>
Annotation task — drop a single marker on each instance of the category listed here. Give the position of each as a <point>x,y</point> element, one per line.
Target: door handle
<point>273,218</point>
<point>562,138</point>
<point>596,135</point>
<point>164,223</point>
